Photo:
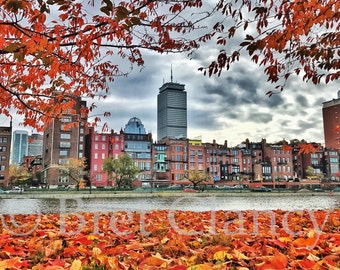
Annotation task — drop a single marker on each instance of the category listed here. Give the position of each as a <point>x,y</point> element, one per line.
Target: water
<point>103,205</point>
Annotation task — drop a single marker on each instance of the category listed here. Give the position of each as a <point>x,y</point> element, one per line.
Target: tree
<point>122,169</point>
<point>74,170</point>
<point>18,175</point>
<point>196,177</point>
<point>53,50</point>
<point>283,37</point>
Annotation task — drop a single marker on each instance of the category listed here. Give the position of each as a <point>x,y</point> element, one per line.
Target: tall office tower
<point>64,139</point>
<point>35,144</point>
<point>5,150</point>
<point>331,122</point>
<point>19,146</point>
<point>172,111</point>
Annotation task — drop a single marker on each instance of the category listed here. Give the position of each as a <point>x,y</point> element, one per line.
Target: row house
<point>133,141</point>
<point>176,153</point>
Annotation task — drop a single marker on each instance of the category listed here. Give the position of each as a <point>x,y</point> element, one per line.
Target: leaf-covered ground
<point>172,240</point>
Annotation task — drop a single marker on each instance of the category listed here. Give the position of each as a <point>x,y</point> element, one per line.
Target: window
<point>2,158</point>
<point>96,146</point>
<point>95,155</point>
<point>81,138</point>
<point>65,136</point>
<point>98,177</point>
<point>65,144</point>
<point>81,147</point>
<point>333,160</point>
<point>103,146</point>
<point>95,167</point>
<point>63,153</point>
<point>3,148</point>
<point>2,177</point>
<point>178,166</point>
<point>63,161</point>
<point>2,167</point>
<point>80,155</point>
<point>3,140</point>
<point>66,119</point>
<point>178,148</point>
<point>63,179</point>
<point>103,155</point>
<point>81,131</point>
<point>103,137</point>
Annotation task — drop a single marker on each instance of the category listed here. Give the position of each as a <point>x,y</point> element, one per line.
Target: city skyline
<point>296,115</point>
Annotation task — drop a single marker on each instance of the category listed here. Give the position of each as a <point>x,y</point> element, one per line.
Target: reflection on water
<point>284,202</point>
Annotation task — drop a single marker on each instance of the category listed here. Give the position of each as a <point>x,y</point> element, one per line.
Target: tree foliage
<point>196,177</point>
<point>284,37</point>
<point>123,170</point>
<point>74,170</point>
<point>53,50</point>
<point>18,175</point>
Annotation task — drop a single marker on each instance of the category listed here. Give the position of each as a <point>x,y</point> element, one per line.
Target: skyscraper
<point>172,111</point>
<point>331,122</point>
<point>19,146</point>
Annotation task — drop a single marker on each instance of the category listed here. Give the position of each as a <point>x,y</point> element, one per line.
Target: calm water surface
<point>284,202</point>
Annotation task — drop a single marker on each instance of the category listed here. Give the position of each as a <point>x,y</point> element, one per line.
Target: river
<point>24,205</point>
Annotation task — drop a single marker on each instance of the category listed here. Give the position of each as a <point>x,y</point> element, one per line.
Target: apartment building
<point>331,122</point>
<point>5,154</point>
<point>138,144</point>
<point>64,138</point>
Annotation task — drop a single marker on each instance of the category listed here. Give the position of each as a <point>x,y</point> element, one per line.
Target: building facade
<point>331,122</point>
<point>172,111</point>
<point>19,146</point>
<point>35,144</point>
<point>63,139</point>
<point>138,145</point>
<point>5,154</point>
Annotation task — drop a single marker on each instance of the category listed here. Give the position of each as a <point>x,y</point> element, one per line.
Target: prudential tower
<point>172,111</point>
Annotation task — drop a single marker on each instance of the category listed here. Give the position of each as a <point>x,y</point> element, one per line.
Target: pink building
<point>100,147</point>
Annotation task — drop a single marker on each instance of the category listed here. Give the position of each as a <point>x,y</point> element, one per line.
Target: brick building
<point>64,138</point>
<point>5,153</point>
<point>331,122</point>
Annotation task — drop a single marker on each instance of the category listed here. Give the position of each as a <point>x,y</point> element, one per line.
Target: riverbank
<point>48,194</point>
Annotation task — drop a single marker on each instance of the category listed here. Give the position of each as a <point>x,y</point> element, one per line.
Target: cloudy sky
<point>231,107</point>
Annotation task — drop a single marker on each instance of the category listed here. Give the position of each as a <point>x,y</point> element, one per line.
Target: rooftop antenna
<point>171,74</point>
